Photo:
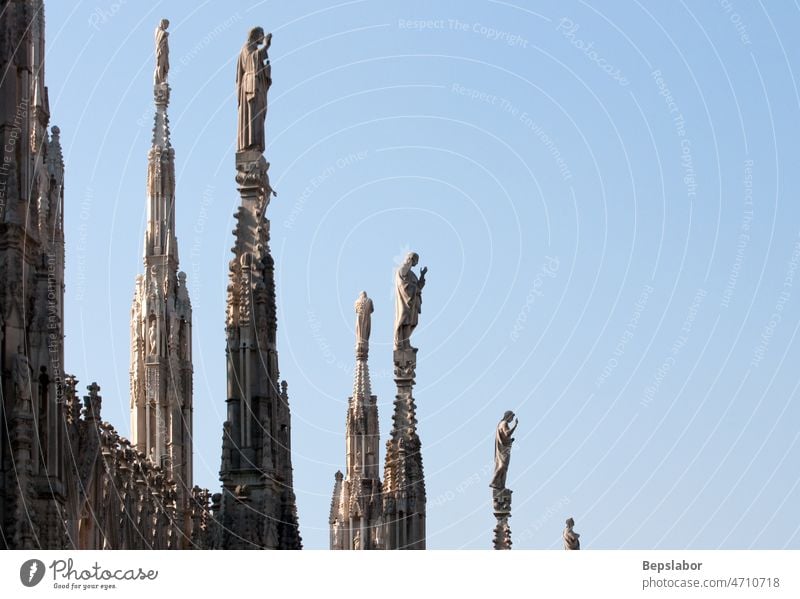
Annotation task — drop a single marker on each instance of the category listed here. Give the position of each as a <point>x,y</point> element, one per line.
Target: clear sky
<point>605,195</point>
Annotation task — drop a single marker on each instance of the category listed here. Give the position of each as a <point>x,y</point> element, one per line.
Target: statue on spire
<point>408,300</point>
<point>162,53</point>
<point>364,309</point>
<point>502,449</point>
<point>253,79</point>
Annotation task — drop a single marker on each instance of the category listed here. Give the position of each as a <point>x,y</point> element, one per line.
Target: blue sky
<point>604,196</point>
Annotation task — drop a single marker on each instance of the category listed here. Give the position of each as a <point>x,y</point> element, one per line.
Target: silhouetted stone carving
<point>571,538</point>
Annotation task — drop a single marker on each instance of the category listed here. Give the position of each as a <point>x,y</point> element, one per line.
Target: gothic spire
<point>161,316</point>
<point>257,504</point>
<point>356,520</point>
<point>404,495</point>
<point>160,235</point>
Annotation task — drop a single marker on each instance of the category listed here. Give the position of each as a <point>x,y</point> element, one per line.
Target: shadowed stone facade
<point>35,478</point>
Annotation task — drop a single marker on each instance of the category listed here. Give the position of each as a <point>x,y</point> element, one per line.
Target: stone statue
<point>571,538</point>
<point>173,331</point>
<point>162,53</point>
<point>337,534</point>
<point>253,79</point>
<point>22,375</point>
<point>357,540</point>
<point>364,310</point>
<point>502,449</point>
<point>152,334</point>
<point>408,301</point>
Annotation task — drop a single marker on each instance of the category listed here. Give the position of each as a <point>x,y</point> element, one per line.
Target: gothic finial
<point>93,402</point>
<point>73,404</point>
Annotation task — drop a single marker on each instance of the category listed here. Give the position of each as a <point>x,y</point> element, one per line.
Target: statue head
<point>508,416</point>
<point>256,35</point>
<point>163,24</point>
<point>412,258</point>
<point>570,522</point>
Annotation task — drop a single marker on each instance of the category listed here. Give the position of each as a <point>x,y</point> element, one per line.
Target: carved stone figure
<point>253,79</point>
<point>337,534</point>
<point>408,301</point>
<point>357,540</point>
<point>22,375</point>
<point>364,309</point>
<point>162,52</point>
<point>571,538</point>
<point>183,290</point>
<point>43,193</point>
<point>502,449</point>
<point>152,336</point>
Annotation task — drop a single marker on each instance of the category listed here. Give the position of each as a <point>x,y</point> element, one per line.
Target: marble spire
<point>404,497</point>
<point>257,504</point>
<point>161,315</point>
<point>356,520</point>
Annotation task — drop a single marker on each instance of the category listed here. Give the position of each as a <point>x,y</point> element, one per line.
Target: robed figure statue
<point>364,309</point>
<point>572,540</point>
<point>162,52</point>
<point>408,301</point>
<point>502,449</point>
<point>253,78</point>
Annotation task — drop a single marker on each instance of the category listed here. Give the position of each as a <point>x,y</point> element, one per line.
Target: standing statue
<point>502,449</point>
<point>572,540</point>
<point>162,53</point>
<point>22,375</point>
<point>153,337</point>
<point>408,301</point>
<point>357,540</point>
<point>364,309</point>
<point>337,534</point>
<point>253,79</point>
